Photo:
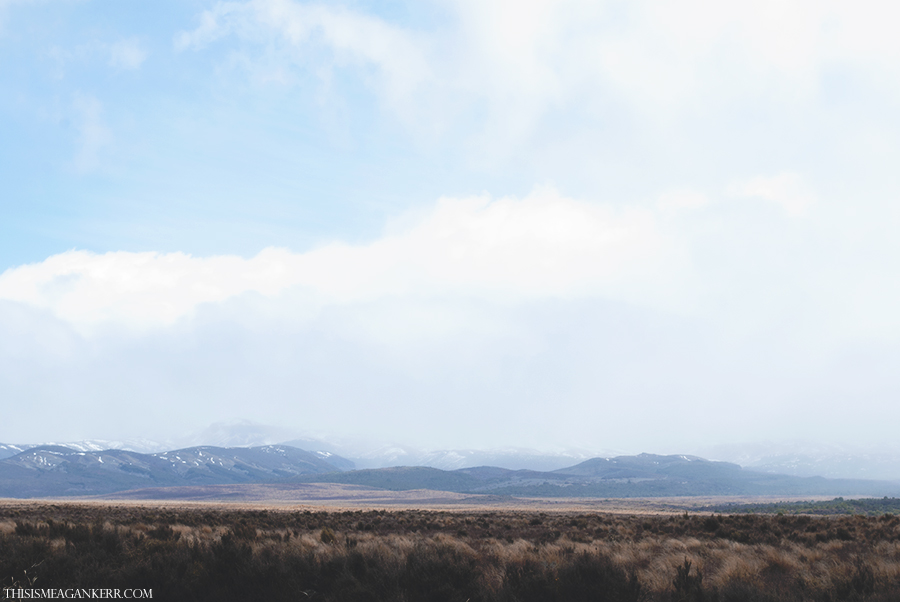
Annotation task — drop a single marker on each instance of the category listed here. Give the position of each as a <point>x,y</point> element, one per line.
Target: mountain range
<point>643,475</point>
<point>55,470</point>
<point>797,458</point>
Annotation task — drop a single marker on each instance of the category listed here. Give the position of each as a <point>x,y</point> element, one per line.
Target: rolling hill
<point>644,475</point>
<point>52,470</point>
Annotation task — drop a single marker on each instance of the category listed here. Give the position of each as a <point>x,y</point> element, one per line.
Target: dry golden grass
<point>488,554</point>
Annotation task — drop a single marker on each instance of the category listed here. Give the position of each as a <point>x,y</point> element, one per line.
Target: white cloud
<point>543,245</point>
<point>211,26</point>
<point>127,54</point>
<point>515,62</point>
<point>786,189</point>
<point>684,199</point>
<point>354,38</point>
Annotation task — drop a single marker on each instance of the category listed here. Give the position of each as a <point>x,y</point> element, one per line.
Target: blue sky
<point>598,224</point>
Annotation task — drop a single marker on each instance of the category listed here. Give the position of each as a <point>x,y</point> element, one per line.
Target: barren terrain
<point>359,544</point>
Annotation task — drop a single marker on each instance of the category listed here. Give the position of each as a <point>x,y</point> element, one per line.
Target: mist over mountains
<point>798,459</point>
<point>809,459</point>
<point>84,469</point>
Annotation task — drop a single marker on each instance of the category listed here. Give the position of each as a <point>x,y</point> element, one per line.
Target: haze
<point>643,226</point>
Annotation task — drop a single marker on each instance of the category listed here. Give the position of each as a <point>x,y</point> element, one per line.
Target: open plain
<point>424,546</point>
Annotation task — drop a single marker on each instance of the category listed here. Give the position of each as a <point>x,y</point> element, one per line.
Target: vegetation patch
<point>204,553</point>
<point>866,506</point>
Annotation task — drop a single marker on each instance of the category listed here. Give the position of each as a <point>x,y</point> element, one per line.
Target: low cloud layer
<point>541,246</point>
<point>537,321</point>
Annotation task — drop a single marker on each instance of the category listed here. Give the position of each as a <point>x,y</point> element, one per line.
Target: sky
<point>640,226</point>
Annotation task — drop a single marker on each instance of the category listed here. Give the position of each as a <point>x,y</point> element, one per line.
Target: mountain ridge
<point>643,475</point>
<point>47,470</point>
<point>54,470</point>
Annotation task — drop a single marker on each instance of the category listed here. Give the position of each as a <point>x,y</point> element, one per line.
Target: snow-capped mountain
<point>48,470</point>
<point>7,449</point>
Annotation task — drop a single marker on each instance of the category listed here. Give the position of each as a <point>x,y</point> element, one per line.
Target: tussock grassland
<point>409,555</point>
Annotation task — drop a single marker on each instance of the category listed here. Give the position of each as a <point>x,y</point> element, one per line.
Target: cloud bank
<point>542,245</point>
<point>523,60</point>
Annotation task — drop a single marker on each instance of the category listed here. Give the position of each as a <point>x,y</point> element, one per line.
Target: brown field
<point>432,546</point>
<point>338,496</point>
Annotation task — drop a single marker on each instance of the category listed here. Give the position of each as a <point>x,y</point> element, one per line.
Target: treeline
<point>866,506</point>
<point>447,556</point>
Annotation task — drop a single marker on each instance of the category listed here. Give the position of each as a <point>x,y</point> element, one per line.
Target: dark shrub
<point>687,587</point>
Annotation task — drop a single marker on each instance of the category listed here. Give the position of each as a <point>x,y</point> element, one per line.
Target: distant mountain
<point>53,470</point>
<point>136,445</point>
<point>403,478</point>
<point>240,433</point>
<point>389,455</point>
<point>7,450</point>
<point>644,475</point>
<point>512,459</point>
<point>651,466</point>
<point>808,459</point>
<point>335,460</point>
<point>141,446</point>
<point>840,465</point>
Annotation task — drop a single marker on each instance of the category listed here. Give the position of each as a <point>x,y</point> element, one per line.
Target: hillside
<point>57,470</point>
<point>644,475</point>
<point>54,470</point>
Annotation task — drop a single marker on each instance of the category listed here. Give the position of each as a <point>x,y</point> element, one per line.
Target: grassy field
<point>205,552</point>
<point>343,496</point>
